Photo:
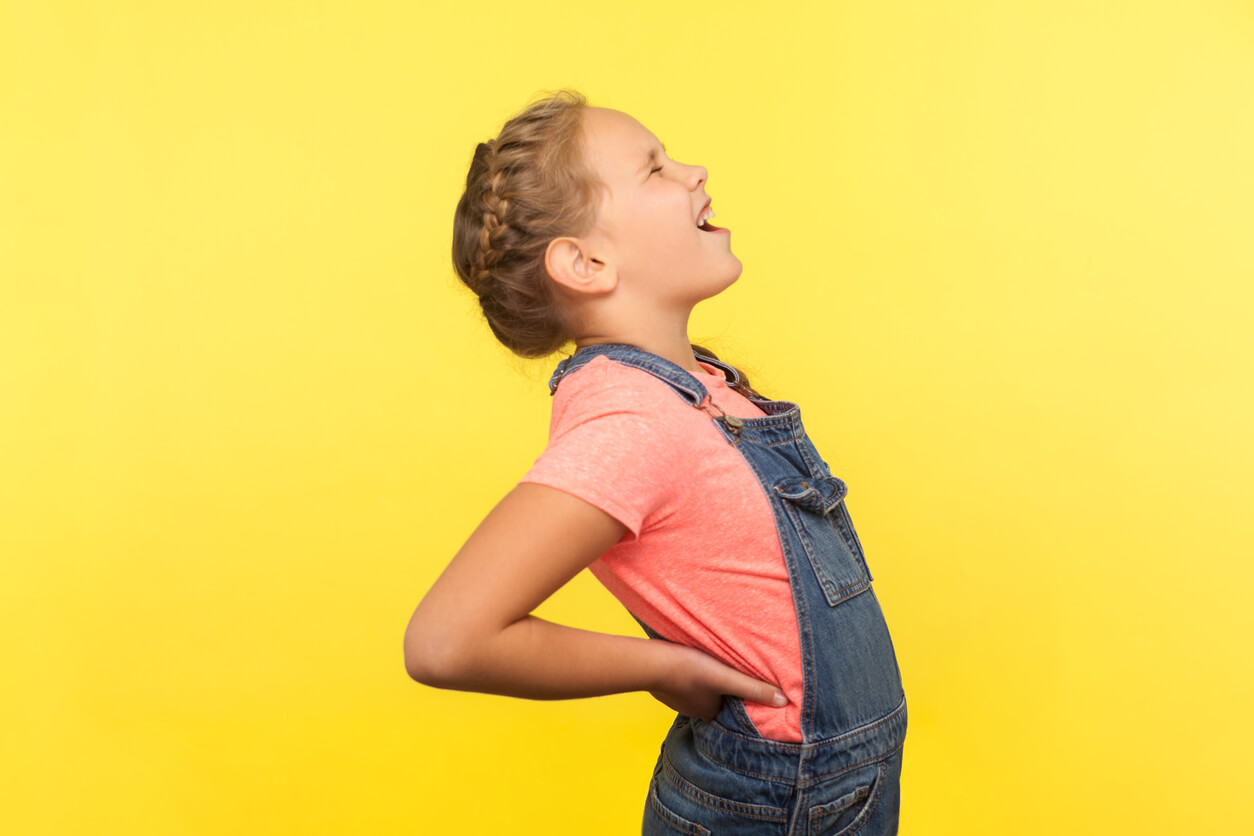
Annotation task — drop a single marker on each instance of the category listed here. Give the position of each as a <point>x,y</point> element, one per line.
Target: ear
<point>571,263</point>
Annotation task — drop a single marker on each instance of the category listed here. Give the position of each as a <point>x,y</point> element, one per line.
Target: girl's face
<point>647,221</point>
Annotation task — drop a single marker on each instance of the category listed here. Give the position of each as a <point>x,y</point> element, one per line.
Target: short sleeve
<point>615,442</point>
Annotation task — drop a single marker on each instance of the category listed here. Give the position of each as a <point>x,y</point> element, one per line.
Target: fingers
<point>755,690</point>
<point>701,674</point>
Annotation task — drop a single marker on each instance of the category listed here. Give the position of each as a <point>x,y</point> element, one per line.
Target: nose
<point>696,176</point>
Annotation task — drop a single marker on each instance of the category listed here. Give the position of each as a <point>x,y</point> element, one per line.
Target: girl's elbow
<point>433,657</point>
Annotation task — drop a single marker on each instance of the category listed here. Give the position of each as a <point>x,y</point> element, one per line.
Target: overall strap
<point>677,378</point>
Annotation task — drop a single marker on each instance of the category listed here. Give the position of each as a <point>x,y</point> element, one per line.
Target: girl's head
<point>573,214</point>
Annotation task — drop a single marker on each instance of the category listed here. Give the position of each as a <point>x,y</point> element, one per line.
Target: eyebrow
<point>652,156</point>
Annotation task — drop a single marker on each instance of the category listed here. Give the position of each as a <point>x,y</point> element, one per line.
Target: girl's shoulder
<point>609,381</point>
<point>620,401</point>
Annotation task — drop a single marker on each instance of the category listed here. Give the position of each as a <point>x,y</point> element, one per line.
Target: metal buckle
<point>732,423</point>
<point>561,372</point>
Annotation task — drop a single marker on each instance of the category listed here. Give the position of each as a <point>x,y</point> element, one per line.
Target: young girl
<point>701,505</point>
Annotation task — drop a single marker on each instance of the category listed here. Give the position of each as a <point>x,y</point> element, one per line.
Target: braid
<point>493,229</point>
<point>524,188</point>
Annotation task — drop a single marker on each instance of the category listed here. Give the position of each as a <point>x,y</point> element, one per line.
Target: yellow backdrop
<point>999,251</point>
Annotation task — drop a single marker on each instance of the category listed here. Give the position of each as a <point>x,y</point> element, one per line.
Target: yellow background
<point>1001,253</point>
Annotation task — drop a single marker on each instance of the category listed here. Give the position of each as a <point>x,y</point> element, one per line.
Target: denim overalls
<point>723,777</point>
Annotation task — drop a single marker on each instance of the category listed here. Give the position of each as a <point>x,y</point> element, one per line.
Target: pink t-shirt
<point>702,563</point>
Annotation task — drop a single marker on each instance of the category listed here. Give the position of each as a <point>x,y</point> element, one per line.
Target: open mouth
<point>704,225</point>
<point>704,221</point>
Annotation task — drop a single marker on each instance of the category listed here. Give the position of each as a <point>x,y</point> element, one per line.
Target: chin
<point>725,282</point>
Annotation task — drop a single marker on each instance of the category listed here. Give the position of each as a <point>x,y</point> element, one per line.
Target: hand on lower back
<point>697,682</point>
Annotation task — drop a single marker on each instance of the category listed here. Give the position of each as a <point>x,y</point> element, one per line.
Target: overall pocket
<point>855,803</point>
<point>660,820</point>
<point>814,506</point>
<point>698,796</point>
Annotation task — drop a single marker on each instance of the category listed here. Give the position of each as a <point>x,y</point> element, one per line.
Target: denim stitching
<point>881,756</point>
<point>850,536</point>
<point>801,748</point>
<point>867,812</point>
<point>835,595</point>
<point>706,799</point>
<point>742,715</point>
<point>774,779</point>
<point>859,794</point>
<point>671,818</point>
<point>813,461</point>
<point>875,799</point>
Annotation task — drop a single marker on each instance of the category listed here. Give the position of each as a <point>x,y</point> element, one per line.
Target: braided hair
<point>527,186</point>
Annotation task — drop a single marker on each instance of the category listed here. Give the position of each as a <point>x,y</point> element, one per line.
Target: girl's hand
<point>696,682</point>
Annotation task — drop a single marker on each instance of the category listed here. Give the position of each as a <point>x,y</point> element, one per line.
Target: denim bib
<point>723,777</point>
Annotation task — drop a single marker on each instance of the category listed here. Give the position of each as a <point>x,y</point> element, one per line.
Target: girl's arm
<point>474,630</point>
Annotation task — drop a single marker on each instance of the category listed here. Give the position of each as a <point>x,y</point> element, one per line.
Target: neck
<point>667,339</point>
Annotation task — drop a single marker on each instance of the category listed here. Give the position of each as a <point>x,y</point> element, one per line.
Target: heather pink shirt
<point>702,563</point>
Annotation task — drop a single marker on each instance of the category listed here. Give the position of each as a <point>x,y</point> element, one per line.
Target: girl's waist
<point>801,762</point>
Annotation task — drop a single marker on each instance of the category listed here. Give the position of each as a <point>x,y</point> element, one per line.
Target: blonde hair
<point>527,186</point>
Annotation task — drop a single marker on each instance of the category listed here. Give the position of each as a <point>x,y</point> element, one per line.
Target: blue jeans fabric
<point>723,777</point>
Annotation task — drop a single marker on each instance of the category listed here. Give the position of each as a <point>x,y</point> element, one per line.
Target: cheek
<point>659,233</point>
